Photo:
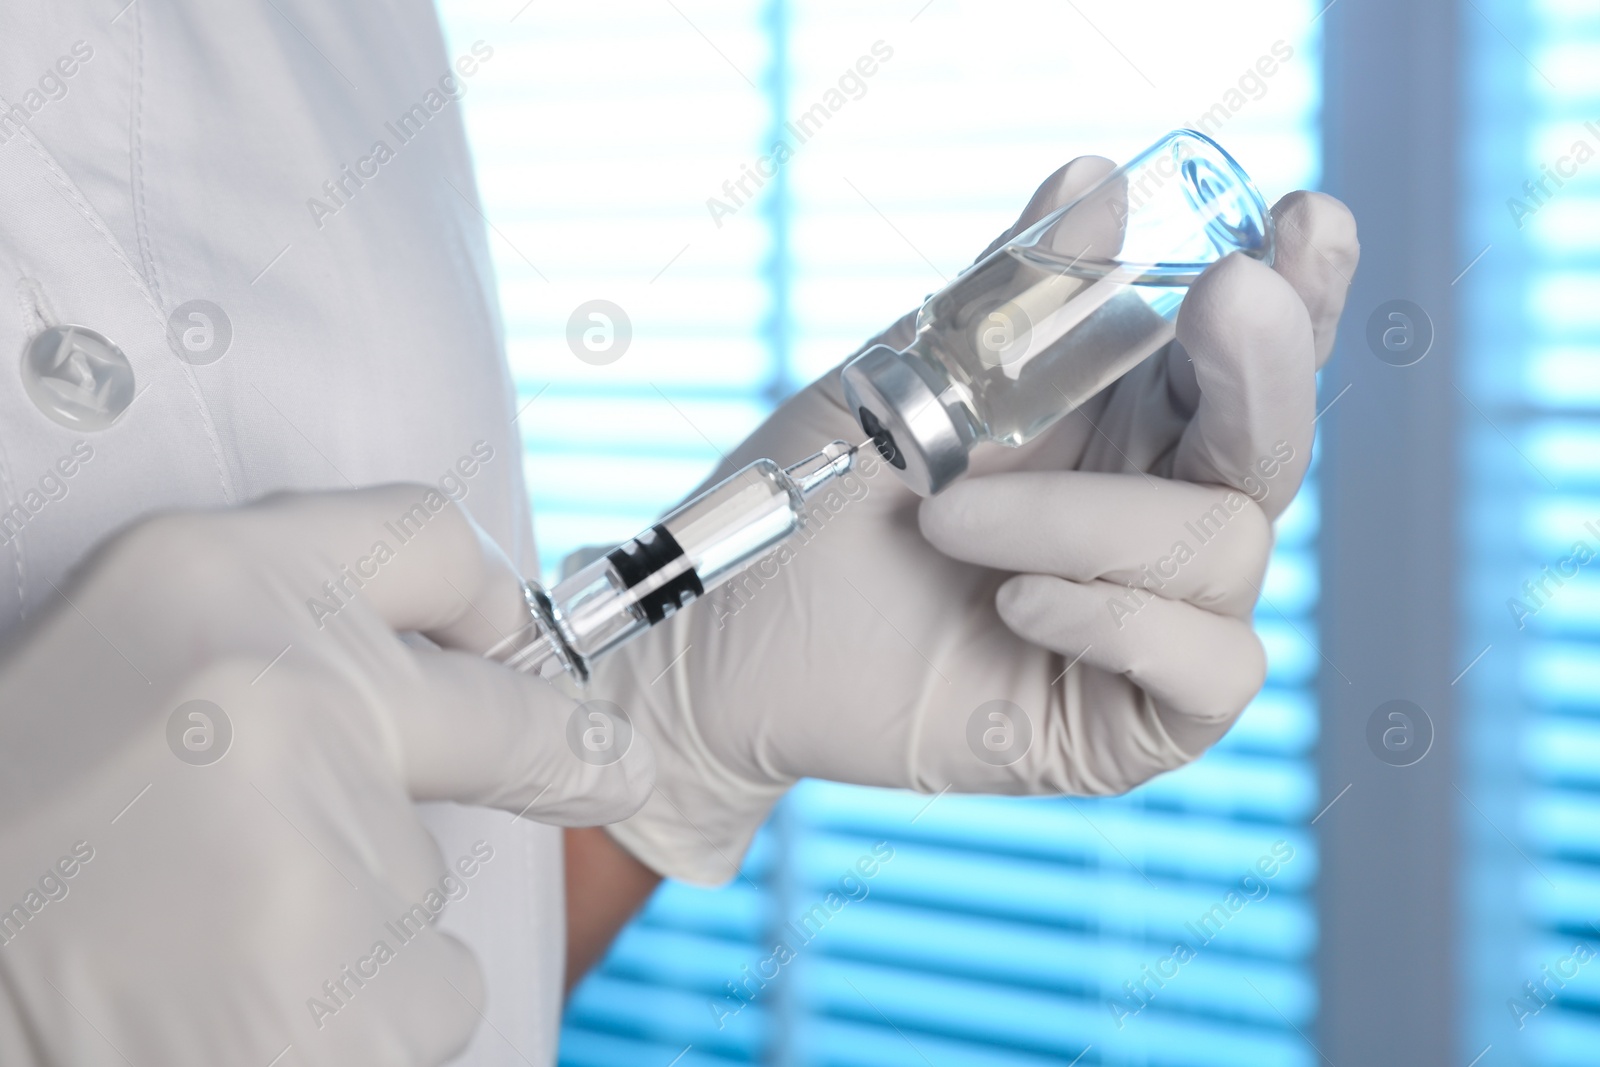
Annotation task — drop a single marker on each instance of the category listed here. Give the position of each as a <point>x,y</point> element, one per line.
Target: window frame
<point>1388,901</point>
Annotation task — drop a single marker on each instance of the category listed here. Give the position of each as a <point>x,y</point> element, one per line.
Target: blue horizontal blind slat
<point>1531,523</point>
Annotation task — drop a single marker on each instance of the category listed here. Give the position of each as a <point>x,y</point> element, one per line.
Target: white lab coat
<point>176,162</point>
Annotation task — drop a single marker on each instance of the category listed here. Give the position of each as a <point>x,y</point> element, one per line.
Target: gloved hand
<point>986,640</point>
<point>208,847</point>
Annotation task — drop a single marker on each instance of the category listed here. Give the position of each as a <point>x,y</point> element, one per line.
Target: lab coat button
<point>77,377</point>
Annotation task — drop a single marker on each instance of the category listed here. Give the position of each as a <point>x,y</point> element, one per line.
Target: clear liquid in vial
<point>1026,337</point>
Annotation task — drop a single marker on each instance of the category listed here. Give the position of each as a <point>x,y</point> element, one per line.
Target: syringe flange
<point>539,648</point>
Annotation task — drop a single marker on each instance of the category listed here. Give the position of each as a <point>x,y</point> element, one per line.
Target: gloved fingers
<point>315,767</point>
<point>406,551</point>
<point>418,1006</point>
<point>1249,337</point>
<point>494,609</point>
<point>1317,253</point>
<point>1178,541</point>
<point>1200,668</point>
<point>1061,188</point>
<point>455,1015</point>
<point>476,732</point>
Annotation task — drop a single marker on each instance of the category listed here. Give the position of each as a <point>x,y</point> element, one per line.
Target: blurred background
<point>1436,876</point>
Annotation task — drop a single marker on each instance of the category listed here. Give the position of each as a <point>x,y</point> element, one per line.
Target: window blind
<point>992,931</point>
<point>1531,457</point>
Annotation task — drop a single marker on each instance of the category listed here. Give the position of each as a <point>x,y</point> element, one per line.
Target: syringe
<point>693,550</point>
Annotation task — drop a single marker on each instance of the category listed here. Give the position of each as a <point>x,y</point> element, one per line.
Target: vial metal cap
<point>914,431</point>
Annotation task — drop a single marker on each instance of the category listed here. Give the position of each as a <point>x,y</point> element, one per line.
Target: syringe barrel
<point>693,550</point>
<point>737,522</point>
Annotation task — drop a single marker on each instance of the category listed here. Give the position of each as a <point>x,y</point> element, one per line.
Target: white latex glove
<point>187,885</point>
<point>875,651</point>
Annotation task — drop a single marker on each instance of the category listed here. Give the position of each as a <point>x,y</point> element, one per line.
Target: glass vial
<point>1060,312</point>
